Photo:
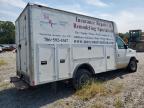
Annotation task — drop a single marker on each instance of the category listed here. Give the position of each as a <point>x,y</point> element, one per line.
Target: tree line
<point>7,32</point>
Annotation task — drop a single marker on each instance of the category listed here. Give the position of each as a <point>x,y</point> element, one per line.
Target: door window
<point>120,43</point>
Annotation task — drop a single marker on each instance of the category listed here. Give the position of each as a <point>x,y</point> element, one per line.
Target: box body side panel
<point>66,40</point>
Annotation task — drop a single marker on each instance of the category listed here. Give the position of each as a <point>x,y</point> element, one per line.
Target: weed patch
<point>2,62</point>
<point>97,105</point>
<point>4,85</point>
<point>118,103</point>
<point>90,90</point>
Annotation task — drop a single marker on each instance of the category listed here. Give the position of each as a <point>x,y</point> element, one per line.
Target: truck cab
<point>125,57</point>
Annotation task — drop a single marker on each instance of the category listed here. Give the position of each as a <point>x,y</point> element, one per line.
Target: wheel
<point>132,67</point>
<point>81,78</point>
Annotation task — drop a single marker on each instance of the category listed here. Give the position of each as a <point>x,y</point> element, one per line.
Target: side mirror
<point>126,46</point>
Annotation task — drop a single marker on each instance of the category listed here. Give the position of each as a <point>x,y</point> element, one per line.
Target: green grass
<point>89,91</point>
<point>97,105</point>
<point>118,103</point>
<point>4,85</point>
<point>2,62</point>
<point>117,89</point>
<point>62,104</point>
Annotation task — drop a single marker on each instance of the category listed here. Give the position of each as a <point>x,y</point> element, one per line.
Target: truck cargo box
<point>52,44</point>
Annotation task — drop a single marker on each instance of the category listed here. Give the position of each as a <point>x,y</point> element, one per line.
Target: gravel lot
<point>8,70</point>
<point>131,95</point>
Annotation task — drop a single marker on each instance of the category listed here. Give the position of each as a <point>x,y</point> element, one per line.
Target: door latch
<point>62,60</point>
<point>43,62</point>
<point>118,55</point>
<point>108,57</point>
<point>19,46</point>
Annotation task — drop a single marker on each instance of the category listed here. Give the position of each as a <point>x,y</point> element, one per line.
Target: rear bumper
<point>19,83</point>
<point>23,76</point>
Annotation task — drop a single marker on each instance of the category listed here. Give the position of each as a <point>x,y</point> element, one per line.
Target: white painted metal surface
<point>45,63</point>
<point>63,62</point>
<point>22,44</point>
<point>54,42</point>
<point>110,55</point>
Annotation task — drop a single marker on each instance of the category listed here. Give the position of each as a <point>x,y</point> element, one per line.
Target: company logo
<point>50,21</point>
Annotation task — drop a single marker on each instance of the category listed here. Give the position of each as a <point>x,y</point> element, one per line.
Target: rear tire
<point>81,78</point>
<point>132,67</point>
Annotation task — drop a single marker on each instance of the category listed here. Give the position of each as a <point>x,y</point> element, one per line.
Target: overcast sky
<point>127,14</point>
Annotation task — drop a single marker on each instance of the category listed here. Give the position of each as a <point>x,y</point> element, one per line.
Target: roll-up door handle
<point>43,62</point>
<point>89,48</point>
<point>62,60</point>
<point>19,46</point>
<point>108,57</point>
<point>118,55</point>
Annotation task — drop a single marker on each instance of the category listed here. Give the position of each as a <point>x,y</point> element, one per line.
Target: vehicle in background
<point>2,46</point>
<point>136,40</point>
<point>54,45</point>
<point>0,49</point>
<point>7,47</point>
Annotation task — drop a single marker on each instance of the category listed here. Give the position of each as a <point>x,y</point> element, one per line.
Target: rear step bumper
<point>19,83</point>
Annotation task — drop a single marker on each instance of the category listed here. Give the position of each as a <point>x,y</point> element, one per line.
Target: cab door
<point>110,58</point>
<point>121,50</point>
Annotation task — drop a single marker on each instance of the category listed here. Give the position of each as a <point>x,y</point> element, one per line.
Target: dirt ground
<point>130,96</point>
<point>9,69</point>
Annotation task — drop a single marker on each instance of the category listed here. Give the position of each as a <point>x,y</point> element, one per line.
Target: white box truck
<point>55,45</point>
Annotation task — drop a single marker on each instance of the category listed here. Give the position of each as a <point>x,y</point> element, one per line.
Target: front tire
<point>132,67</point>
<point>82,77</point>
